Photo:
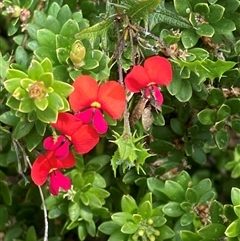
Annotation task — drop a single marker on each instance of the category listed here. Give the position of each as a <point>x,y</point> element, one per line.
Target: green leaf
<point>233,230</point>
<point>215,14</point>
<point>207,116</point>
<point>221,138</point>
<point>224,26</point>
<point>223,112</point>
<point>174,191</point>
<point>69,29</point>
<point>235,196</point>
<point>13,233</point>
<point>90,64</point>
<point>185,92</point>
<point>74,211</point>
<point>177,126</point>
<point>121,218</point>
<point>22,129</point>
<point>162,14</point>
<point>4,217</point>
<point>191,195</point>
<point>141,8</point>
<point>48,115</point>
<point>47,67</point>
<point>46,38</point>
<point>203,186</point>
<point>55,101</point>
<point>212,231</point>
<point>189,236</point>
<point>82,231</point>
<point>54,9</point>
<point>186,219</point>
<point>99,29</point>
<point>47,79</point>
<point>129,228</point>
<point>41,104</point>
<point>175,85</point>
<point>108,227</point>
<point>128,204</point>
<point>62,88</point>
<point>234,104</point>
<point>173,209</point>
<point>33,139</point>
<point>215,97</point>
<point>5,192</point>
<point>53,24</point>
<point>21,56</point>
<point>9,118</point>
<point>35,70</point>
<point>43,52</point>
<point>181,7</point>
<point>4,65</point>
<point>205,30</point>
<point>12,84</point>
<point>86,213</point>
<point>216,212</point>
<point>145,210</point>
<point>189,38</point>
<point>64,14</point>
<point>235,124</point>
<point>31,234</point>
<point>166,232</point>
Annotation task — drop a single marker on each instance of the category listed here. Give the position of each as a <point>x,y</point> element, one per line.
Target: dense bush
<point>120,120</point>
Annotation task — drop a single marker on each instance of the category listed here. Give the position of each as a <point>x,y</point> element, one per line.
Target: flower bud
<point>17,11</point>
<point>77,54</point>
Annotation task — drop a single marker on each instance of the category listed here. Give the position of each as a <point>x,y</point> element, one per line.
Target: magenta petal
<point>147,92</point>
<point>157,95</point>
<point>51,143</point>
<point>99,122</point>
<point>63,151</point>
<point>58,180</point>
<point>86,115</point>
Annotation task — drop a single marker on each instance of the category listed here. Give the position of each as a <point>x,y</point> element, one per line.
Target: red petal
<point>157,95</point>
<point>86,115</point>
<point>44,163</point>
<point>85,92</point>
<point>40,170</point>
<point>58,180</point>
<point>159,70</point>
<point>137,79</point>
<point>85,139</point>
<point>52,143</point>
<point>112,98</point>
<point>67,123</point>
<point>99,122</point>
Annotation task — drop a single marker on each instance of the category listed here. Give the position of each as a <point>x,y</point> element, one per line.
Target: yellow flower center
<point>52,170</point>
<point>151,83</point>
<point>37,90</point>
<point>96,104</point>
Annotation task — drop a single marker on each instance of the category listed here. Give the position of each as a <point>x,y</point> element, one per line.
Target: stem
<point>44,206</point>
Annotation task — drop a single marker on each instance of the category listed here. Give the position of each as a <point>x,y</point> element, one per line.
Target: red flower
<point>82,136</point>
<point>48,165</point>
<point>89,100</point>
<point>155,71</point>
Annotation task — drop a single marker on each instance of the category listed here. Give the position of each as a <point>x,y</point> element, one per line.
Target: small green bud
<point>156,232</point>
<point>141,232</point>
<point>150,221</point>
<point>152,238</point>
<point>16,11</point>
<point>77,54</point>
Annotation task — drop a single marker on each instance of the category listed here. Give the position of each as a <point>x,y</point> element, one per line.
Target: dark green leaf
<point>212,231</point>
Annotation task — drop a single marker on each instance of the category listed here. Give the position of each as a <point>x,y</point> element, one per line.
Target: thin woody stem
<point>27,161</point>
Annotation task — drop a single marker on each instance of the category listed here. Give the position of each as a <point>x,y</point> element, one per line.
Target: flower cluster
<point>90,102</point>
<point>146,79</point>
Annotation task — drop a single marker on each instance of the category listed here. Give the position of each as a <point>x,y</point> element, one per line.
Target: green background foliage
<point>179,178</point>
